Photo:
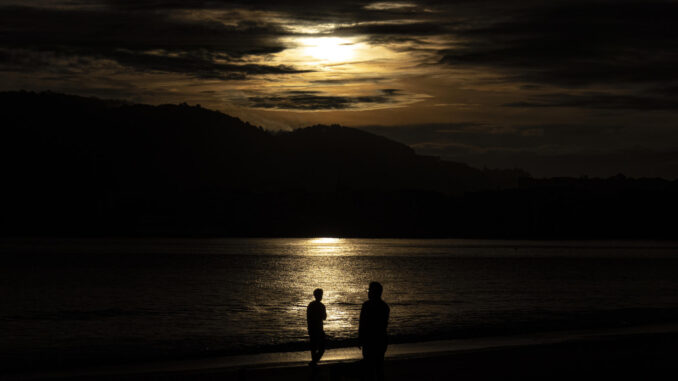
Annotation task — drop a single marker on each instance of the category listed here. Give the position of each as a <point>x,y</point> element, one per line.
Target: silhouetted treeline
<point>83,166</point>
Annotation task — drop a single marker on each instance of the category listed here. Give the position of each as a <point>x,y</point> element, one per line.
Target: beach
<point>642,352</point>
<point>235,308</point>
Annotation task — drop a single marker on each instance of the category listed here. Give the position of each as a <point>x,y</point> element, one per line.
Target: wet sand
<point>637,353</point>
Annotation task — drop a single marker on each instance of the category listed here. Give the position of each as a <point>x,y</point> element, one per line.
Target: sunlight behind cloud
<point>328,49</point>
<point>349,55</point>
<point>336,72</point>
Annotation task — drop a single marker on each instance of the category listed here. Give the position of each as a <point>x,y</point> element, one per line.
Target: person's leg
<point>314,349</point>
<point>320,347</point>
<point>371,362</point>
<point>379,362</point>
<point>365,368</point>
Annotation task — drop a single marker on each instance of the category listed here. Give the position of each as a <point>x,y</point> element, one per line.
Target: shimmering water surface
<point>75,299</point>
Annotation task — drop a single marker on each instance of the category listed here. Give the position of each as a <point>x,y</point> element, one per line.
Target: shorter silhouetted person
<point>315,315</point>
<point>372,335</point>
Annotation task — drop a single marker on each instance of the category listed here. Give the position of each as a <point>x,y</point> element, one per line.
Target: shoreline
<point>409,355</point>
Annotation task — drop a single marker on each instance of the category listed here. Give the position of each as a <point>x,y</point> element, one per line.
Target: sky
<point>558,88</point>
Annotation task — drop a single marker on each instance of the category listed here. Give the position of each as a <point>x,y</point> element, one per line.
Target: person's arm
<point>361,327</point>
<point>324,313</point>
<point>308,314</point>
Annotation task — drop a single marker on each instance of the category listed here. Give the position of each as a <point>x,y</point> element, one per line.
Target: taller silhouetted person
<point>372,332</point>
<point>315,315</point>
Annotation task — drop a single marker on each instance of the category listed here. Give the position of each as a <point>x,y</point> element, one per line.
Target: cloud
<point>561,43</point>
<point>141,40</point>
<point>574,44</point>
<point>389,5</point>
<point>198,64</point>
<point>314,100</point>
<point>342,81</point>
<point>599,101</point>
<point>103,30</point>
<point>405,29</point>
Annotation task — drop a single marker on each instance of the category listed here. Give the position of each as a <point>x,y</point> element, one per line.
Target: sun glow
<point>329,49</point>
<point>337,73</point>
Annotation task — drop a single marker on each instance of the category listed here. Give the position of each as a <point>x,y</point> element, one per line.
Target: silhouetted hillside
<point>51,138</point>
<point>74,165</point>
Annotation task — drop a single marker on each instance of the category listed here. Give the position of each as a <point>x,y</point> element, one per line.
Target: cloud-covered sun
<point>328,49</point>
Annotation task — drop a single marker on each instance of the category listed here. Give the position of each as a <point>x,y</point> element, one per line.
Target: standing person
<point>315,315</point>
<point>372,332</point>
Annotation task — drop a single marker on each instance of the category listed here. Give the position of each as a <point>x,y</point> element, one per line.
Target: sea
<point>104,301</point>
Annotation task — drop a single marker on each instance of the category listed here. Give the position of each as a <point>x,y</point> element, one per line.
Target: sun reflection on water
<point>325,246</point>
<point>325,240</point>
<point>328,263</point>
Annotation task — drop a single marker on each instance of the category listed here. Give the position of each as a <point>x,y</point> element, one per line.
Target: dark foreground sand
<point>646,356</point>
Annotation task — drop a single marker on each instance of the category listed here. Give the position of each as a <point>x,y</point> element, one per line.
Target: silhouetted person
<point>315,315</point>
<point>372,335</point>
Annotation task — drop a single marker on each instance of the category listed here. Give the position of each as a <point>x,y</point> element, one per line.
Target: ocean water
<point>99,301</point>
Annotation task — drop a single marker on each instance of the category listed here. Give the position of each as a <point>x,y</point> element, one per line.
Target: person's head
<point>374,293</point>
<point>318,293</point>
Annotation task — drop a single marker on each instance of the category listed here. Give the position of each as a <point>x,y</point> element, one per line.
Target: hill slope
<point>57,139</point>
<point>84,166</point>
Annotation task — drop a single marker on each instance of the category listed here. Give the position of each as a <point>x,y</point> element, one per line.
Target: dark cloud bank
<point>33,39</point>
<point>313,100</point>
<point>566,44</point>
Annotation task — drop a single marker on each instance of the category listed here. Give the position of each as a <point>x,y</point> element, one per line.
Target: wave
<point>78,314</point>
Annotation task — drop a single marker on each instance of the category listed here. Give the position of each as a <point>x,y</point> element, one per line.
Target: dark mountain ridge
<point>84,166</point>
<point>141,146</point>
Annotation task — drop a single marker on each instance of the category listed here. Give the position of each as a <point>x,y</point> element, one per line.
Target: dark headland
<point>75,166</point>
